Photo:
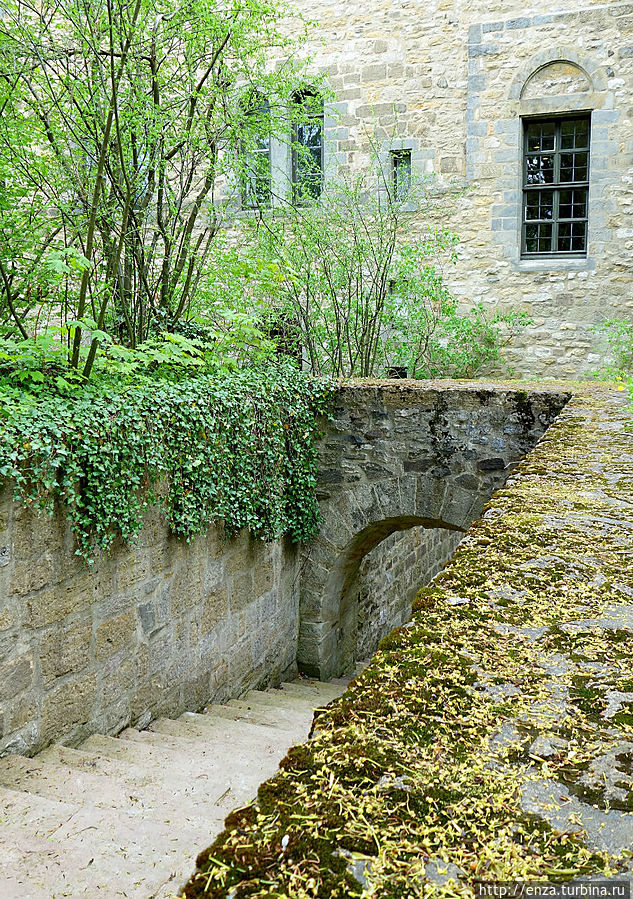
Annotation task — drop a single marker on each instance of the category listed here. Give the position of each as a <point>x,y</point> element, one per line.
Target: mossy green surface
<point>427,759</point>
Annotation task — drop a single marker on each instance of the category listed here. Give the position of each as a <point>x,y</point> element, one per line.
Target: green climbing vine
<point>236,447</point>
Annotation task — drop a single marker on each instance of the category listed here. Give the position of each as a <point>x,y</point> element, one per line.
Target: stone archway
<point>344,609</point>
<point>395,457</point>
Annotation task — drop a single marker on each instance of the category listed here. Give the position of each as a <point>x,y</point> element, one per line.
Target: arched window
<point>556,160</point>
<point>307,146</point>
<point>255,163</point>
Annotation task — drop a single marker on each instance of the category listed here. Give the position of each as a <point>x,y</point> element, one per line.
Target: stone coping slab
<point>491,738</point>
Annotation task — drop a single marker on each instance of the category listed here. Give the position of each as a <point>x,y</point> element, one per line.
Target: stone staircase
<point>126,816</point>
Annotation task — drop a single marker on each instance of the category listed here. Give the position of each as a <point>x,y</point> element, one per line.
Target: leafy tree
<point>120,119</point>
<point>364,282</point>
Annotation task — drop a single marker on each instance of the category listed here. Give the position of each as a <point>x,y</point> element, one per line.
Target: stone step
<point>186,799</point>
<point>98,849</point>
<point>161,757</point>
<point>279,699</point>
<point>237,770</point>
<point>124,817</point>
<point>86,760</point>
<point>322,692</point>
<point>201,725</point>
<point>238,710</point>
<point>33,868</point>
<point>227,734</point>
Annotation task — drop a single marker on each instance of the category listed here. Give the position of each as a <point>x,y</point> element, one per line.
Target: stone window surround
<point>280,155</point>
<point>419,162</point>
<point>506,216</point>
<point>281,159</point>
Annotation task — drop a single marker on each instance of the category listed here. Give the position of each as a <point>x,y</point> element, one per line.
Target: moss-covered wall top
<point>492,737</point>
<point>396,454</point>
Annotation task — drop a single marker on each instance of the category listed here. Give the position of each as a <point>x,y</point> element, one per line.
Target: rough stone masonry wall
<point>161,626</point>
<point>389,578</point>
<point>396,455</point>
<point>509,692</point>
<point>444,79</point>
<point>151,629</point>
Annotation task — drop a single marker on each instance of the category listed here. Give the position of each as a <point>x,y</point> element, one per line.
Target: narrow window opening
<point>307,149</point>
<point>401,173</point>
<point>256,171</point>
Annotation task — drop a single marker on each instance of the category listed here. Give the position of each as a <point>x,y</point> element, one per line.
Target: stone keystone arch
<point>396,456</point>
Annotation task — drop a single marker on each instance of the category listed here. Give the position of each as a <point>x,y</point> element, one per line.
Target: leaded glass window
<point>307,151</point>
<point>555,186</point>
<point>256,180</point>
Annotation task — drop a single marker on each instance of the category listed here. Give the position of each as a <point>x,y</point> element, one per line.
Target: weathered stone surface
<point>145,631</point>
<point>114,635</point>
<point>65,649</point>
<point>16,676</point>
<point>150,627</point>
<point>454,80</point>
<point>67,706</point>
<point>409,454</point>
<point>390,576</point>
<point>491,736</point>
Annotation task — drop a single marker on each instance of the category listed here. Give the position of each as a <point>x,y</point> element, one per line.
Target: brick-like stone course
<point>389,578</point>
<point>162,626</point>
<point>395,456</point>
<point>151,629</point>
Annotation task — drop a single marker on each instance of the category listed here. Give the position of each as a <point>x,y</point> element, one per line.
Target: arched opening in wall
<point>558,78</point>
<point>378,576</point>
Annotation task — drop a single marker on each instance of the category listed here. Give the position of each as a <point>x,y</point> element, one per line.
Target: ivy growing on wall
<point>236,447</point>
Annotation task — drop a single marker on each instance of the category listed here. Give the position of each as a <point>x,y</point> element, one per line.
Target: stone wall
<point>161,626</point>
<point>451,81</point>
<point>389,578</point>
<point>397,455</point>
<point>151,629</point>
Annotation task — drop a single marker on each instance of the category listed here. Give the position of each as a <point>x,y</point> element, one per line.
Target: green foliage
<point>363,283</point>
<point>428,334</point>
<point>619,336</point>
<point>234,447</point>
<point>40,363</point>
<point>120,119</point>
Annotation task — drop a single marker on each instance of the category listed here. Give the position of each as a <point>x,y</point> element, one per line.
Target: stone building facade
<point>454,86</point>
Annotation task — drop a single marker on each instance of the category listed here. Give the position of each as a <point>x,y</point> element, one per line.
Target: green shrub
<point>364,286</point>
<point>236,447</point>
<point>619,336</point>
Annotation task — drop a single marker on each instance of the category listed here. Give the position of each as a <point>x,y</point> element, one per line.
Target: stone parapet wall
<point>150,629</point>
<point>161,626</point>
<point>397,455</point>
<point>509,691</point>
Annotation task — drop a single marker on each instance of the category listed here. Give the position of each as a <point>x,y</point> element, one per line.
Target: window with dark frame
<point>555,186</point>
<point>401,173</point>
<point>307,150</point>
<point>256,174</point>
